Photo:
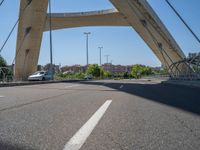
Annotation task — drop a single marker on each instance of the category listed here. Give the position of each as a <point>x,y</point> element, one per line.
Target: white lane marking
<point>71,86</point>
<point>1,96</point>
<point>121,86</point>
<point>76,142</point>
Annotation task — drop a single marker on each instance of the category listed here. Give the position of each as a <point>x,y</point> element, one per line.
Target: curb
<point>182,83</point>
<point>34,83</point>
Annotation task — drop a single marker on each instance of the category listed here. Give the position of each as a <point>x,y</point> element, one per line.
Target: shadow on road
<point>9,146</point>
<point>182,97</point>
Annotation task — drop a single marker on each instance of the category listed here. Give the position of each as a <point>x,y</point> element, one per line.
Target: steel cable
<point>1,2</point>
<point>10,33</point>
<point>184,22</point>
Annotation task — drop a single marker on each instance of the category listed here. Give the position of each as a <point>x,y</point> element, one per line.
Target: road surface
<point>100,115</point>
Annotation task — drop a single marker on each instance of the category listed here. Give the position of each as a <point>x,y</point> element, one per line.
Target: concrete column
<point>29,37</point>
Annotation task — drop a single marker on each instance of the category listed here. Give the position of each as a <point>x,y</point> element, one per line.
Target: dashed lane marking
<point>71,86</point>
<point>76,142</point>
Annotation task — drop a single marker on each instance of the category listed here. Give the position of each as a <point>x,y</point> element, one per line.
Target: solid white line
<point>83,133</point>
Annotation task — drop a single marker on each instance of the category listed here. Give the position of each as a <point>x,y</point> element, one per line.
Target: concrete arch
<point>135,13</point>
<point>110,17</point>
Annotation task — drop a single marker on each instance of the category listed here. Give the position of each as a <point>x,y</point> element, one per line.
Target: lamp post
<point>87,34</point>
<point>50,32</point>
<point>100,48</point>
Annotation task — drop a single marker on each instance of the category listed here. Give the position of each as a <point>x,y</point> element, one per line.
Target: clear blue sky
<point>122,43</point>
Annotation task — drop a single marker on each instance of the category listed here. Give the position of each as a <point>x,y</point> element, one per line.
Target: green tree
<point>138,71</point>
<point>126,75</point>
<point>79,75</point>
<point>107,74</point>
<point>2,62</point>
<point>147,71</point>
<point>161,72</point>
<point>5,72</point>
<point>102,72</point>
<point>94,70</point>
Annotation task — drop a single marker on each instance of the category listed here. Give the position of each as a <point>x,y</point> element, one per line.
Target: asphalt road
<point>100,115</point>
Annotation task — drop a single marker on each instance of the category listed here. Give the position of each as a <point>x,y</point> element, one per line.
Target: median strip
<point>76,142</point>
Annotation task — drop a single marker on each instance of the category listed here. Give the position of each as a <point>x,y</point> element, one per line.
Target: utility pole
<point>100,48</point>
<point>87,34</point>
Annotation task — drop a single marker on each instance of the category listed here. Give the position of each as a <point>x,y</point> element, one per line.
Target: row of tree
<point>93,70</point>
<point>96,71</point>
<point>137,71</point>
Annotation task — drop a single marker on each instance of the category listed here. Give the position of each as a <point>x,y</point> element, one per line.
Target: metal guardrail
<point>191,69</point>
<point>3,75</point>
<point>157,76</point>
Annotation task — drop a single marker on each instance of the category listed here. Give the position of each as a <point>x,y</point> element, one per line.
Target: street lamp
<point>87,34</point>
<point>100,54</point>
<point>50,35</point>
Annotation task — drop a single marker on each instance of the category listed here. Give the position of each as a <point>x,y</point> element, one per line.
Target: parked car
<point>88,77</point>
<point>40,76</point>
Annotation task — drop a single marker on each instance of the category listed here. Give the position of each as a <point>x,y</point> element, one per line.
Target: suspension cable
<point>1,2</point>
<point>184,22</point>
<point>10,33</point>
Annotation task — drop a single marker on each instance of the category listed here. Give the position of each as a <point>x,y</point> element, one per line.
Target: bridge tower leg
<point>140,15</point>
<point>30,30</point>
